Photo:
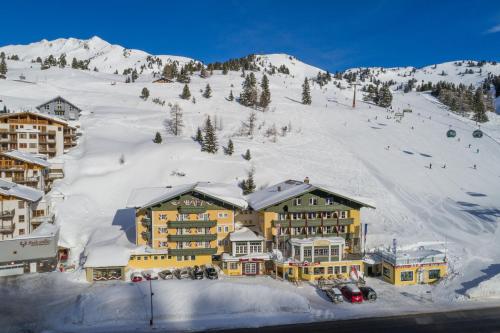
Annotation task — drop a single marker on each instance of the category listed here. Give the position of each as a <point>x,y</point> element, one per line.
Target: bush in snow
<point>247,156</point>
<point>145,93</point>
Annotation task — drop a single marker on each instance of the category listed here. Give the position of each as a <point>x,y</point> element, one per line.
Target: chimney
<point>279,188</point>
<point>306,180</point>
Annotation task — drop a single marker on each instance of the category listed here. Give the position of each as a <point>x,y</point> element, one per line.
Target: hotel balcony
<point>192,252</point>
<point>192,238</point>
<point>7,229</point>
<point>7,214</point>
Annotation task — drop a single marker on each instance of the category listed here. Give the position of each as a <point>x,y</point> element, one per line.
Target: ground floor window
<point>233,265</point>
<point>434,274</point>
<point>319,270</point>
<point>330,270</point>
<point>344,269</point>
<point>250,268</point>
<point>407,276</point>
<point>306,270</point>
<point>103,274</point>
<point>386,271</point>
<point>337,269</point>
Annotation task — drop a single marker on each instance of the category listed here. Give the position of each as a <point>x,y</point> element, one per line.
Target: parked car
<point>136,277</point>
<point>335,295</point>
<point>368,293</point>
<point>181,273</point>
<point>166,274</point>
<point>150,275</point>
<point>352,293</point>
<point>211,273</point>
<point>196,273</point>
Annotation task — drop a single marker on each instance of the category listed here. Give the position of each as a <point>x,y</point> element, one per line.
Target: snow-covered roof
<point>244,234</point>
<point>58,97</point>
<point>412,256</point>
<point>26,157</point>
<point>146,197</point>
<point>19,191</point>
<point>291,188</point>
<point>108,247</point>
<point>37,114</point>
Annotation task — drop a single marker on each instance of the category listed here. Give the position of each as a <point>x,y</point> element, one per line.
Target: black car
<point>211,273</point>
<point>368,293</point>
<point>196,273</point>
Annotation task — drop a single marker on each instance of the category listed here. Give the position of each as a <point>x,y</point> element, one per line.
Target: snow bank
<point>181,301</point>
<point>488,288</point>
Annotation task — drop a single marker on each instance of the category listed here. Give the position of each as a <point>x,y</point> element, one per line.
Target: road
<point>470,321</point>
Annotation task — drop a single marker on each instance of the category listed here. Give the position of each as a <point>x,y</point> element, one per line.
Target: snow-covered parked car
<point>211,273</point>
<point>136,277</point>
<point>166,274</point>
<point>150,275</point>
<point>196,273</point>
<point>368,293</point>
<point>335,295</point>
<point>181,273</point>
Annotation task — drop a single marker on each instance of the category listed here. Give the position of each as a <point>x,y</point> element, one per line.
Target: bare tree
<point>248,126</point>
<point>174,124</point>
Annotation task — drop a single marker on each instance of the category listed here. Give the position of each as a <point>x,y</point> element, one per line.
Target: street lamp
<point>151,299</point>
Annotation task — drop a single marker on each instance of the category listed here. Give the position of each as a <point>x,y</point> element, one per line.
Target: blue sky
<point>334,35</point>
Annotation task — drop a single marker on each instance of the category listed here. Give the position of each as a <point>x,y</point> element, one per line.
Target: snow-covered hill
<point>362,151</point>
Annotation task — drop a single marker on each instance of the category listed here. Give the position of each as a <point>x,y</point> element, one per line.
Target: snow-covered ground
<point>361,151</point>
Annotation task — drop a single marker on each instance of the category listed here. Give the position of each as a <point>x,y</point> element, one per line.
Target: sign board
<point>28,248</point>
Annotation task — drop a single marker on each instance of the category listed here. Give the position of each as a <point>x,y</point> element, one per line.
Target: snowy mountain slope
<point>434,73</point>
<point>105,57</point>
<point>363,151</point>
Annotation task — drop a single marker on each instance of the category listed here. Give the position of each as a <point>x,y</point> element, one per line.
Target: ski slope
<point>361,151</point>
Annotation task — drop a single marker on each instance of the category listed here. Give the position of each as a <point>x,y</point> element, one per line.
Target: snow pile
<point>486,289</point>
<point>181,301</point>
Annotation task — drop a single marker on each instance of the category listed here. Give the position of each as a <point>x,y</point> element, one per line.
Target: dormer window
<point>329,201</point>
<point>297,201</point>
<point>313,201</point>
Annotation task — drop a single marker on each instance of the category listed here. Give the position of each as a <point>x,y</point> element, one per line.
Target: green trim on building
<point>192,252</point>
<point>312,223</point>
<point>192,238</point>
<point>191,224</point>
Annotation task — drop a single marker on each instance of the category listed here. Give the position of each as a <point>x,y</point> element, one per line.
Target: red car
<point>136,277</point>
<point>352,293</point>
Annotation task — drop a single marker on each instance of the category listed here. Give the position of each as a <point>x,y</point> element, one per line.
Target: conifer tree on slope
<point>199,136</point>
<point>210,144</point>
<point>306,93</point>
<point>3,67</point>
<point>248,185</point>
<point>384,97</point>
<point>229,150</point>
<point>247,156</point>
<point>208,91</point>
<point>231,96</point>
<point>479,107</point>
<point>144,93</point>
<point>265,96</point>
<point>185,92</point>
<point>248,96</point>
<point>157,138</point>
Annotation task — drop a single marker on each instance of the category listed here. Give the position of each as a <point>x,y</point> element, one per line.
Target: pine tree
<point>134,75</point>
<point>306,93</point>
<point>175,123</point>
<point>231,97</point>
<point>384,98</point>
<point>248,96</point>
<point>62,60</point>
<point>144,93</point>
<point>199,137</point>
<point>210,144</point>
<point>229,150</point>
<point>247,156</point>
<point>265,96</point>
<point>183,76</point>
<point>248,185</point>
<point>479,107</point>
<point>3,67</point>
<point>185,92</point>
<point>169,71</point>
<point>208,91</point>
<point>224,69</point>
<point>157,138</point>
<point>203,72</point>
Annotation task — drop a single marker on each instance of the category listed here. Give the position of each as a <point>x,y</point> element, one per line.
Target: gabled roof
<point>26,157</point>
<point>19,191</point>
<point>291,188</point>
<point>59,97</point>
<point>147,197</point>
<point>36,114</point>
<point>244,234</point>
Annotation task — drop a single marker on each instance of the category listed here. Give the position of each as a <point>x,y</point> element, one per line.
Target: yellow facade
<point>324,270</point>
<point>413,274</point>
<point>163,261</point>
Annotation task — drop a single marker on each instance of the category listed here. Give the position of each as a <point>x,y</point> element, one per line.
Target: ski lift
<point>451,133</point>
<point>477,134</point>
